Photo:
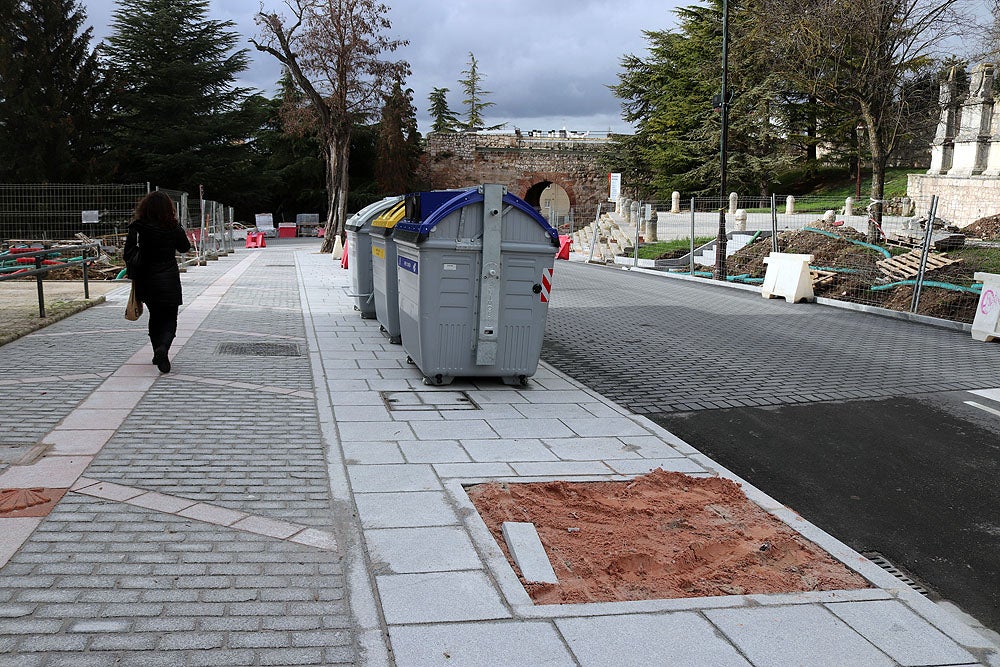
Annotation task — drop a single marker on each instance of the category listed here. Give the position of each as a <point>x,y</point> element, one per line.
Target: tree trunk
<point>879,159</point>
<point>338,151</point>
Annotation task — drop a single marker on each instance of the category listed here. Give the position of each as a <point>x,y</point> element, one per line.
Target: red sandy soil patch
<point>662,535</point>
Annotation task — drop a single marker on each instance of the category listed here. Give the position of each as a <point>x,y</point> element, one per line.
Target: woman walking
<point>154,235</point>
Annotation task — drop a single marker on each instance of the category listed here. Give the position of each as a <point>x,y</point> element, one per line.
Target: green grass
<point>978,259</point>
<point>654,250</point>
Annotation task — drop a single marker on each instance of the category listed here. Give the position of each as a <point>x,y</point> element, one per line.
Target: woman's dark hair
<point>158,208</point>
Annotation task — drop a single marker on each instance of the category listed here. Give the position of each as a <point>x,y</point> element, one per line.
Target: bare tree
<point>864,57</point>
<point>333,50</point>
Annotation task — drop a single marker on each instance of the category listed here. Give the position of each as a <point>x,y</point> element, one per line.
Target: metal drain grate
<point>259,349</point>
<point>901,574</point>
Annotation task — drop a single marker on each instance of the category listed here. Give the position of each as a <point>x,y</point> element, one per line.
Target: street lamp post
<point>720,243</point>
<point>857,186</point>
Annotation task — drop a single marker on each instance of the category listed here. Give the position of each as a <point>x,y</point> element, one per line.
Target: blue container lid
<point>426,209</point>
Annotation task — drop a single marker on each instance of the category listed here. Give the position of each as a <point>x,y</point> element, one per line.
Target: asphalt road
<point>856,421</point>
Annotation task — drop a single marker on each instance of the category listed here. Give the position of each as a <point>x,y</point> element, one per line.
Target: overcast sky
<point>546,63</point>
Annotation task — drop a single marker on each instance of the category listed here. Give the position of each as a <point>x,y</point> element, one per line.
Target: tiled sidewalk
<point>447,593</point>
<point>310,508</point>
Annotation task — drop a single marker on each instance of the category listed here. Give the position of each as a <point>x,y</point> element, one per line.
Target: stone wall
<point>525,164</point>
<point>965,153</point>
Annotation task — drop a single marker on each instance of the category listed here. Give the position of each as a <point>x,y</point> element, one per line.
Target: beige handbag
<point>133,310</point>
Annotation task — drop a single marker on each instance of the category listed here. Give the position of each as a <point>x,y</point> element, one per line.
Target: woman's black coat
<point>155,275</point>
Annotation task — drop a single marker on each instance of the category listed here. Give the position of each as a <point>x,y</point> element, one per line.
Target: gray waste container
<point>383,259</point>
<point>475,269</point>
<point>359,254</point>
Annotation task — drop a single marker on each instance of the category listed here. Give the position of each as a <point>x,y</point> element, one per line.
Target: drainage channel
<point>906,577</point>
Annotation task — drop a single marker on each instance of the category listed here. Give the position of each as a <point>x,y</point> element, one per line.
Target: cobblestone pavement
<point>293,494</point>
<point>151,569</point>
<point>659,346</point>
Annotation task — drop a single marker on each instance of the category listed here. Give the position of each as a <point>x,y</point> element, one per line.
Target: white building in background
<point>965,154</point>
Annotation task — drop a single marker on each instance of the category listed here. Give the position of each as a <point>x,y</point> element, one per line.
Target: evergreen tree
<point>445,119</point>
<point>398,142</point>
<point>668,95</point>
<point>178,120</point>
<point>50,90</point>
<point>474,96</point>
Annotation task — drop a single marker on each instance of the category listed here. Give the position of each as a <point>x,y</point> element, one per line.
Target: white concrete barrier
<point>788,276</point>
<point>986,325</point>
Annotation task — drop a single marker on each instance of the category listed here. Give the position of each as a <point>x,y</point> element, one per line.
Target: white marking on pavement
<point>986,408</point>
<point>992,394</point>
<point>207,513</point>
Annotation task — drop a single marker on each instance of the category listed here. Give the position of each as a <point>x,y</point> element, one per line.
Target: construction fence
<point>895,260</point>
<point>69,213</point>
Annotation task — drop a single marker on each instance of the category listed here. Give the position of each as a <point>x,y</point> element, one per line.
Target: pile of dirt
<point>858,271</point>
<point>987,228</point>
<point>662,535</point>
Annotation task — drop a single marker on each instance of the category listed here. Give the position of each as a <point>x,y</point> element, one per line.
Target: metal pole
<point>41,292</point>
<point>774,222</point>
<point>915,303</point>
<point>86,283</point>
<point>593,238</point>
<point>720,245</point>
<point>635,260</point>
<point>691,254</point>
<point>204,242</point>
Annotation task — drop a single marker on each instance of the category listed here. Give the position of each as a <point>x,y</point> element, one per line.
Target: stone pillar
<point>651,227</point>
<point>675,202</point>
<point>993,159</point>
<point>972,141</point>
<point>734,200</point>
<point>633,216</point>
<point>943,146</point>
<point>789,205</point>
<point>741,220</point>
<point>849,206</point>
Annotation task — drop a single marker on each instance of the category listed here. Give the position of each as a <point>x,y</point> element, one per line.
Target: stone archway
<point>551,200</point>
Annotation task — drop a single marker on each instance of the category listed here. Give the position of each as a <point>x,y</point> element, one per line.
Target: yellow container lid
<point>389,219</point>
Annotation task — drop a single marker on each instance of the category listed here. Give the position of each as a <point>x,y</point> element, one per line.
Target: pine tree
<point>474,95</point>
<point>668,96</point>
<point>177,108</point>
<point>445,119</point>
<point>398,142</point>
<point>50,88</point>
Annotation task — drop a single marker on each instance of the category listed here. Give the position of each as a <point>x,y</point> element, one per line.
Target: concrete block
<point>795,635</point>
<point>986,325</point>
<point>398,510</point>
<point>638,640</point>
<point>787,276</point>
<point>477,644</point>
<point>438,597</point>
<point>528,553</point>
<point>428,549</point>
<point>907,638</point>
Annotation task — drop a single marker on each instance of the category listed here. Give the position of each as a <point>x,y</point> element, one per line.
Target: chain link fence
<point>60,213</point>
<point>890,258</point>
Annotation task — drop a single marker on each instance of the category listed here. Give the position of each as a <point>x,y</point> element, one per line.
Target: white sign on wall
<point>615,182</point>
<point>91,217</point>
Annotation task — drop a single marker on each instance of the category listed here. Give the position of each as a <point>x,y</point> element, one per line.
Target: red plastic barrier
<point>564,246</point>
<point>343,258</point>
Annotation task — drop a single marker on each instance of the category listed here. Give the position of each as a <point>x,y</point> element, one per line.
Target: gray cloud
<point>547,63</point>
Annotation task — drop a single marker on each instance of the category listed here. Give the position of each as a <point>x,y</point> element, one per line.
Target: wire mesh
<point>56,212</point>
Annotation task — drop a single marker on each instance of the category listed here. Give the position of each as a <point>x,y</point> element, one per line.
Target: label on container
<point>408,264</point>
<point>378,252</point>
<point>449,267</point>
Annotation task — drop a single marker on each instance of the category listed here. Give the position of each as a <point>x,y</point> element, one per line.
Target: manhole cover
<point>428,400</point>
<point>259,349</point>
